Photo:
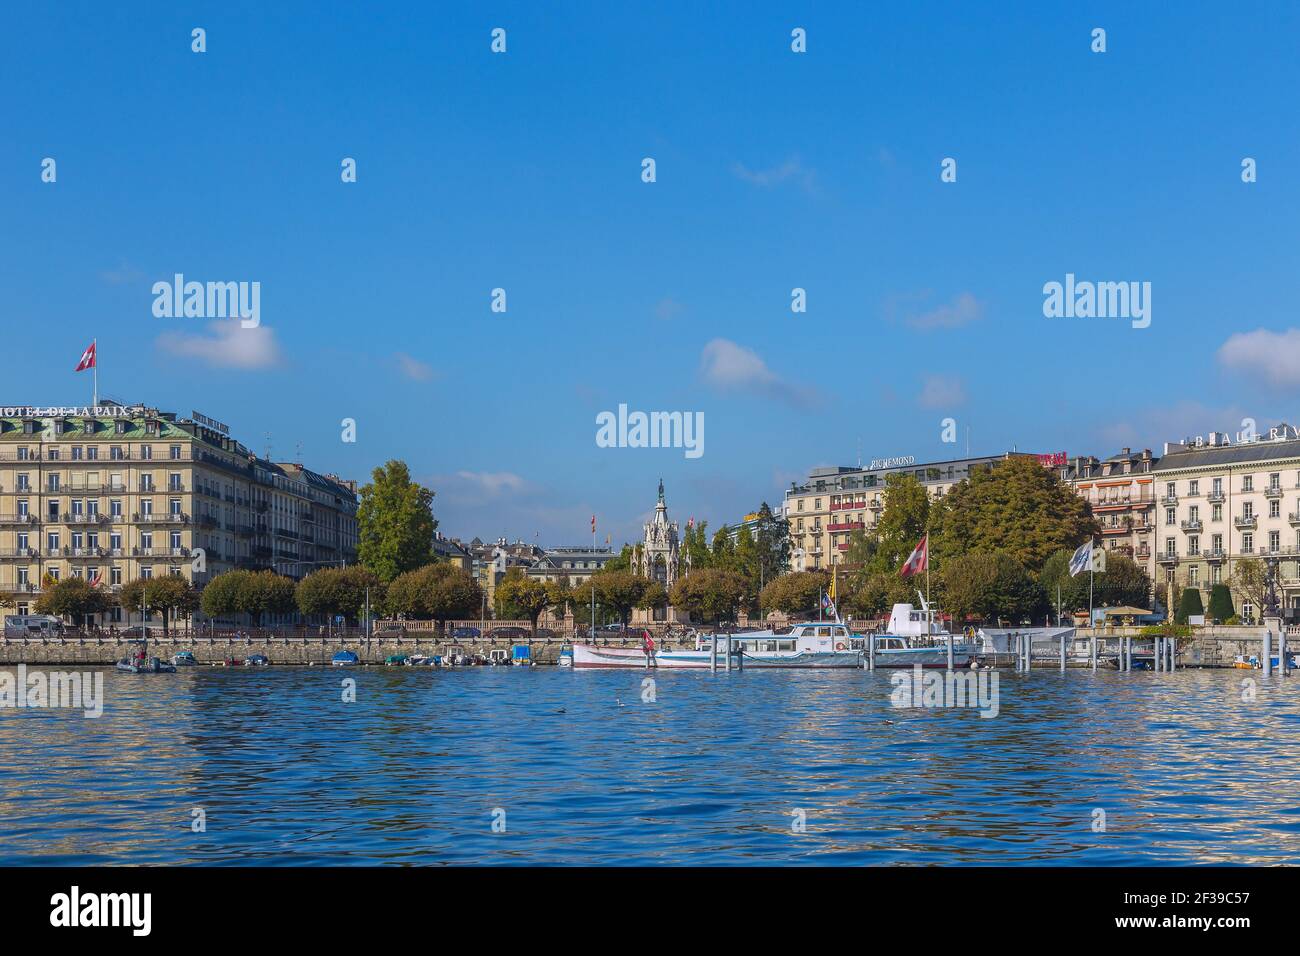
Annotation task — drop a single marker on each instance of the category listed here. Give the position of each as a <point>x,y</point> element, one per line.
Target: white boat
<point>911,639</point>
<point>810,644</point>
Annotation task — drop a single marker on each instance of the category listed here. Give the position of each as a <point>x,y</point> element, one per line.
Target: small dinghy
<point>396,660</point>
<point>256,660</point>
<point>344,659</point>
<point>139,662</point>
<point>184,659</point>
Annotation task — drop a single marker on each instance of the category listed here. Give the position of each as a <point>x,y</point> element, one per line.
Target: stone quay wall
<point>279,650</point>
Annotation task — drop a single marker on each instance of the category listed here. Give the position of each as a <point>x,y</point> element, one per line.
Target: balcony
<point>18,553</point>
<point>1215,554</point>
<point>1192,524</point>
<point>84,518</point>
<point>162,517</point>
<point>1166,557</point>
<point>1142,554</point>
<point>27,519</point>
<point>84,553</point>
<point>1116,529</point>
<point>1215,497</point>
<point>840,526</point>
<point>875,504</point>
<point>1246,522</point>
<point>1292,516</point>
<point>1169,500</point>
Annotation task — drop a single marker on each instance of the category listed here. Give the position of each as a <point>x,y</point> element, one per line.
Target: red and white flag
<point>87,359</point>
<point>99,576</point>
<point>919,560</point>
<point>593,524</point>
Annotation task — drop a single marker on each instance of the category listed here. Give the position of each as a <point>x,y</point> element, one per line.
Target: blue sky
<point>775,170</point>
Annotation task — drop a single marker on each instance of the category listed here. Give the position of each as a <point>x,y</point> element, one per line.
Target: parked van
<point>32,625</point>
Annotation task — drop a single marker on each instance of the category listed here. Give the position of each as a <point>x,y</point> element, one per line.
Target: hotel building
<point>1121,492</point>
<point>1220,501</point>
<point>115,492</point>
<point>836,501</point>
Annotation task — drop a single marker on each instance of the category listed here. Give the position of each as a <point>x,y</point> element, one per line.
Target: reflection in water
<point>287,773</point>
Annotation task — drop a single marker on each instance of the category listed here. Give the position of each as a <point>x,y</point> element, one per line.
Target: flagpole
<point>94,395</point>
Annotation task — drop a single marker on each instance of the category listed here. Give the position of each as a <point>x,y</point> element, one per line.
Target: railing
<point>1216,497</point>
<point>1245,521</point>
<point>1193,524</point>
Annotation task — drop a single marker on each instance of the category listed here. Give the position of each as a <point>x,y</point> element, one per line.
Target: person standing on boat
<point>648,643</point>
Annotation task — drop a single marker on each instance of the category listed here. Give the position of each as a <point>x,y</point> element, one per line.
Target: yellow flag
<point>834,574</point>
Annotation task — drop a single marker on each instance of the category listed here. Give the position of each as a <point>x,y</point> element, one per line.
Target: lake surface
<point>713,771</point>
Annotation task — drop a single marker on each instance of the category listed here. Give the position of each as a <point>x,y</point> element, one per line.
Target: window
<point>1216,542</point>
<point>115,507</point>
<point>1248,483</point>
<point>1194,575</point>
<point>1194,514</point>
<point>175,452</point>
<point>146,452</point>
<point>1170,514</point>
<point>1275,480</point>
<point>24,482</point>
<point>1275,509</point>
<point>1170,489</point>
<point>1248,510</point>
<point>115,451</point>
<point>76,453</point>
<point>1247,543</point>
<point>1218,486</point>
<point>92,453</point>
<point>1216,512</point>
<point>1274,540</point>
<point>1193,487</point>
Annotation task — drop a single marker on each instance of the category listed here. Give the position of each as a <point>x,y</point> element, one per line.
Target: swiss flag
<point>87,359</point>
<point>919,559</point>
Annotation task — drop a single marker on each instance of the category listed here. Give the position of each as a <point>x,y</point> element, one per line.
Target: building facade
<point>836,501</point>
<point>1121,493</point>
<point>1219,501</point>
<point>112,493</point>
<point>659,558</point>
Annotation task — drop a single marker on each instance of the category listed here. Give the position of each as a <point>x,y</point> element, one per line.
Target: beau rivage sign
<point>72,411</point>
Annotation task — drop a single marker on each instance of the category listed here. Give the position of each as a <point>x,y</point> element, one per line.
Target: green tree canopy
<point>1221,606</point>
<point>255,593</point>
<point>395,522</point>
<point>797,593</point>
<point>1188,605</point>
<point>524,595</point>
<point>1018,507</point>
<point>441,592</point>
<point>72,597</point>
<point>620,590</point>
<point>169,595</point>
<point>711,595</point>
<point>1123,583</point>
<point>334,591</point>
<point>993,587</point>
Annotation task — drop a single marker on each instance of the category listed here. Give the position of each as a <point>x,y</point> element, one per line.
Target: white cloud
<point>1274,356</point>
<point>669,308</point>
<point>227,344</point>
<point>962,310</point>
<point>729,367</point>
<point>413,368</point>
<point>938,391</point>
<point>791,169</point>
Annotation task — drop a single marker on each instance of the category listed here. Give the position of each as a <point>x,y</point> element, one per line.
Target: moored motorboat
<point>256,660</point>
<point>809,644</point>
<point>912,639</point>
<point>184,659</point>
<point>344,659</point>
<point>141,663</point>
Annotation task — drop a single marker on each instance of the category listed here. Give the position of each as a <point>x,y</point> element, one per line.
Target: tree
<point>169,595</point>
<point>772,541</point>
<point>395,522</point>
<point>1249,582</point>
<point>334,591</point>
<point>797,593</point>
<point>655,596</point>
<point>903,521</point>
<point>695,545</point>
<point>1123,583</point>
<point>74,598</point>
<point>441,592</point>
<point>526,594</point>
<point>1016,506</point>
<point>620,590</point>
<point>1221,607</point>
<point>711,595</point>
<point>723,555</point>
<point>991,587</point>
<point>623,560</point>
<point>1189,605</point>
<point>255,593</point>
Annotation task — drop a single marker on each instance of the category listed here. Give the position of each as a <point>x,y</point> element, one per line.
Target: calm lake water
<point>709,773</point>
